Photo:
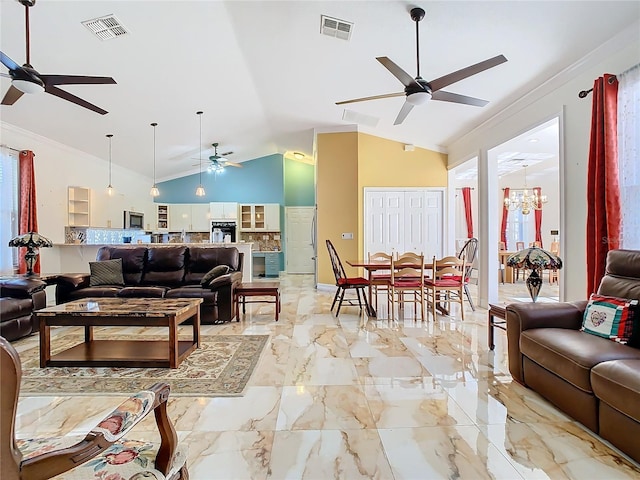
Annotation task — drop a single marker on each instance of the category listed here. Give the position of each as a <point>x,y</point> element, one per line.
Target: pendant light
<point>109,187</point>
<point>154,190</point>
<point>200,190</point>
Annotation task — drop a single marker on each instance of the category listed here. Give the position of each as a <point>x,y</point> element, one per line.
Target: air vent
<point>334,27</point>
<point>105,28</point>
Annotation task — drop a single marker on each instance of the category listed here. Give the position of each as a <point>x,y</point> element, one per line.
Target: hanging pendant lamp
<point>154,190</point>
<point>109,187</point>
<point>200,190</point>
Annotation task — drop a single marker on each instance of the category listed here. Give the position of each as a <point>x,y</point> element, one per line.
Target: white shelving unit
<point>79,206</point>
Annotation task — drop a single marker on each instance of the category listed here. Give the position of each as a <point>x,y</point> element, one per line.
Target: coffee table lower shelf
<point>120,353</point>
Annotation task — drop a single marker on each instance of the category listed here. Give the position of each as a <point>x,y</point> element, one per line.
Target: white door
<point>300,252</point>
<point>434,224</point>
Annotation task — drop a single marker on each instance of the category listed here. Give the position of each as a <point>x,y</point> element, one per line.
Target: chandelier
<point>524,200</point>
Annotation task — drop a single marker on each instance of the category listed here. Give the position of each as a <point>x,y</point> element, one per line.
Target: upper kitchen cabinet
<point>223,210</point>
<point>79,206</point>
<point>190,217</point>
<point>260,217</point>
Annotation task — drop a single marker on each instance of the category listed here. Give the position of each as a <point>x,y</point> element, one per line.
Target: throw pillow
<point>610,317</point>
<point>214,273</point>
<point>106,272</point>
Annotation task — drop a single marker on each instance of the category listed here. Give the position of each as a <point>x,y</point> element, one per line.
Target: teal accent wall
<point>258,181</point>
<point>299,184</point>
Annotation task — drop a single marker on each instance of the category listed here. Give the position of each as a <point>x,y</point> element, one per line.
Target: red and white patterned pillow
<point>610,317</point>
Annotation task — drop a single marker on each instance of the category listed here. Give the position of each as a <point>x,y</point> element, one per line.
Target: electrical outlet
<point>347,236</point>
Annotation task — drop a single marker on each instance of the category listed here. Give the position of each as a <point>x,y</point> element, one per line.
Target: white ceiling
<point>265,77</point>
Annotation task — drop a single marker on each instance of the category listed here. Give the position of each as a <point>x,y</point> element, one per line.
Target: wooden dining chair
<point>344,283</point>
<point>469,252</point>
<point>517,271</point>
<point>446,286</point>
<point>379,279</point>
<point>104,452</point>
<point>553,272</point>
<point>407,283</point>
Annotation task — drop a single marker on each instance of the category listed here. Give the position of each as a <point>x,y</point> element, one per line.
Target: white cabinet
<point>223,210</point>
<point>163,217</point>
<point>260,217</point>
<point>190,217</point>
<point>79,206</point>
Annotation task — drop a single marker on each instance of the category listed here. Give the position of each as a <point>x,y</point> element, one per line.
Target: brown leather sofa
<point>593,379</point>
<point>19,297</point>
<point>165,271</point>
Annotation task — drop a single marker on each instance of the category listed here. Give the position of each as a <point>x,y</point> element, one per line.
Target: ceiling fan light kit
<point>26,79</point>
<point>418,91</point>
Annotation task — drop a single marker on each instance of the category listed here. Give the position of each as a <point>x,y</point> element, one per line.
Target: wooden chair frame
<point>469,252</point>
<point>407,278</point>
<point>344,283</point>
<point>379,279</point>
<point>447,285</point>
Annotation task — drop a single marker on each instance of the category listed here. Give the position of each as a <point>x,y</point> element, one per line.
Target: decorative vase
<point>534,283</point>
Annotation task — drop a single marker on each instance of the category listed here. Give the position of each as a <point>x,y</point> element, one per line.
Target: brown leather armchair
<point>19,297</point>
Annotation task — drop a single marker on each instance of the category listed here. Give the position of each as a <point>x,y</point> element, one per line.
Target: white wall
<point>560,96</point>
<point>57,167</point>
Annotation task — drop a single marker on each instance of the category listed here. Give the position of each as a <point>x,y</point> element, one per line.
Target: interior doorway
<point>300,256</point>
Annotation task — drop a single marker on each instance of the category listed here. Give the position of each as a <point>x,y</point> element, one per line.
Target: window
<point>518,226</point>
<point>8,210</point>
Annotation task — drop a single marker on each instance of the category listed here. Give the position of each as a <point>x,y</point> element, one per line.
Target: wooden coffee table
<point>257,289</point>
<point>121,312</point>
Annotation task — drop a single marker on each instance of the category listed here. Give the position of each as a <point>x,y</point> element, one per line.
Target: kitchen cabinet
<point>223,210</point>
<point>266,264</point>
<point>190,217</point>
<point>162,217</point>
<point>79,206</point>
<point>260,217</point>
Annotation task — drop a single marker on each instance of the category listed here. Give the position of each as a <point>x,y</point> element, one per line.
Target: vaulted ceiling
<point>266,77</point>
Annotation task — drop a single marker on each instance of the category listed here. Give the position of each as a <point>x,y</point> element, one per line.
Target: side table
<point>496,311</point>
<point>257,289</point>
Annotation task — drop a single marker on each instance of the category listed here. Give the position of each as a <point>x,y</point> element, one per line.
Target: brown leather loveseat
<point>19,297</point>
<point>593,379</point>
<point>165,271</point>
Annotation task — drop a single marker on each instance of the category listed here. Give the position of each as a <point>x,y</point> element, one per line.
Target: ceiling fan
<point>218,162</point>
<point>419,91</point>
<point>26,79</point>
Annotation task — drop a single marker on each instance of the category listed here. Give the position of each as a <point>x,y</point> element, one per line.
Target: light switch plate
<point>347,236</point>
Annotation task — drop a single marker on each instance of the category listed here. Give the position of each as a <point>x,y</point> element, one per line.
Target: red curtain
<point>603,191</point>
<point>505,215</point>
<point>466,196</point>
<point>27,216</point>
<point>538,216</point>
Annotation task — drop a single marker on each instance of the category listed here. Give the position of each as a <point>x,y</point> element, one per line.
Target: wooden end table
<point>496,311</point>
<point>257,289</point>
<point>120,312</point>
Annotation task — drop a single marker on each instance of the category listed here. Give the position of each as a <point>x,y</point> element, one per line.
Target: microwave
<point>133,219</point>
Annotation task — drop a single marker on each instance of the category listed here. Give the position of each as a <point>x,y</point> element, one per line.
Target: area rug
<point>221,367</point>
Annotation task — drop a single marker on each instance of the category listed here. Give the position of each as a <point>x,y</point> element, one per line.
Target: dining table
<point>509,277</point>
<point>374,265</point>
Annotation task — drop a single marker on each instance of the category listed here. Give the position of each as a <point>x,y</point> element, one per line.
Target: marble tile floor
<point>352,397</point>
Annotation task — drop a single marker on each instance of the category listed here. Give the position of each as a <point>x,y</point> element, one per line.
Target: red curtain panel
<point>505,216</point>
<point>538,217</point>
<point>603,190</point>
<point>27,216</point>
<point>466,196</point>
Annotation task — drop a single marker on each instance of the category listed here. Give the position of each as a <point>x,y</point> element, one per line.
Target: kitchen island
<point>75,257</point>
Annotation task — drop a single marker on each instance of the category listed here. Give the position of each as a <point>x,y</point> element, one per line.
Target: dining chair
<point>379,279</point>
<point>502,247</point>
<point>103,453</point>
<point>344,283</point>
<point>446,286</point>
<point>553,272</point>
<point>517,271</point>
<point>406,284</point>
<point>469,252</point>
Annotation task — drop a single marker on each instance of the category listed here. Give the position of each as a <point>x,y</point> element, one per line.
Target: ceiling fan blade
<point>454,77</point>
<point>7,62</point>
<point>12,95</point>
<point>72,98</point>
<point>75,80</point>
<point>406,79</point>
<point>457,98</point>
<point>5,75</point>
<point>227,163</point>
<point>375,97</point>
<point>404,111</point>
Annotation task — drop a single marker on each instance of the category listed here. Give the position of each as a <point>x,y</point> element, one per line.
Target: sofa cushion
<point>165,266</point>
<point>133,259</point>
<point>106,272</point>
<point>617,383</point>
<point>203,259</point>
<point>610,317</point>
<point>143,292</point>
<point>100,291</point>
<point>15,307</point>
<point>194,291</point>
<point>571,354</point>
<point>214,273</point>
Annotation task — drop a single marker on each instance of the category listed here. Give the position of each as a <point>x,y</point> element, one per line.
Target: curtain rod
<point>465,187</point>
<point>584,93</point>
<point>10,148</point>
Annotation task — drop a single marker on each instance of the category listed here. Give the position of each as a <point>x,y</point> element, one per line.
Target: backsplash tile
<point>271,243</point>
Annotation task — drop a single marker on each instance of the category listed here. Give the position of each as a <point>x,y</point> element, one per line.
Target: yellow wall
<point>348,162</point>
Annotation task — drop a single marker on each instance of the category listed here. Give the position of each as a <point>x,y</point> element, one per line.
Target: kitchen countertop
<point>150,244</point>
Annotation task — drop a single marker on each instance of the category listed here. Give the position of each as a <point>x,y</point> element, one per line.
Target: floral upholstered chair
<point>103,454</point>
